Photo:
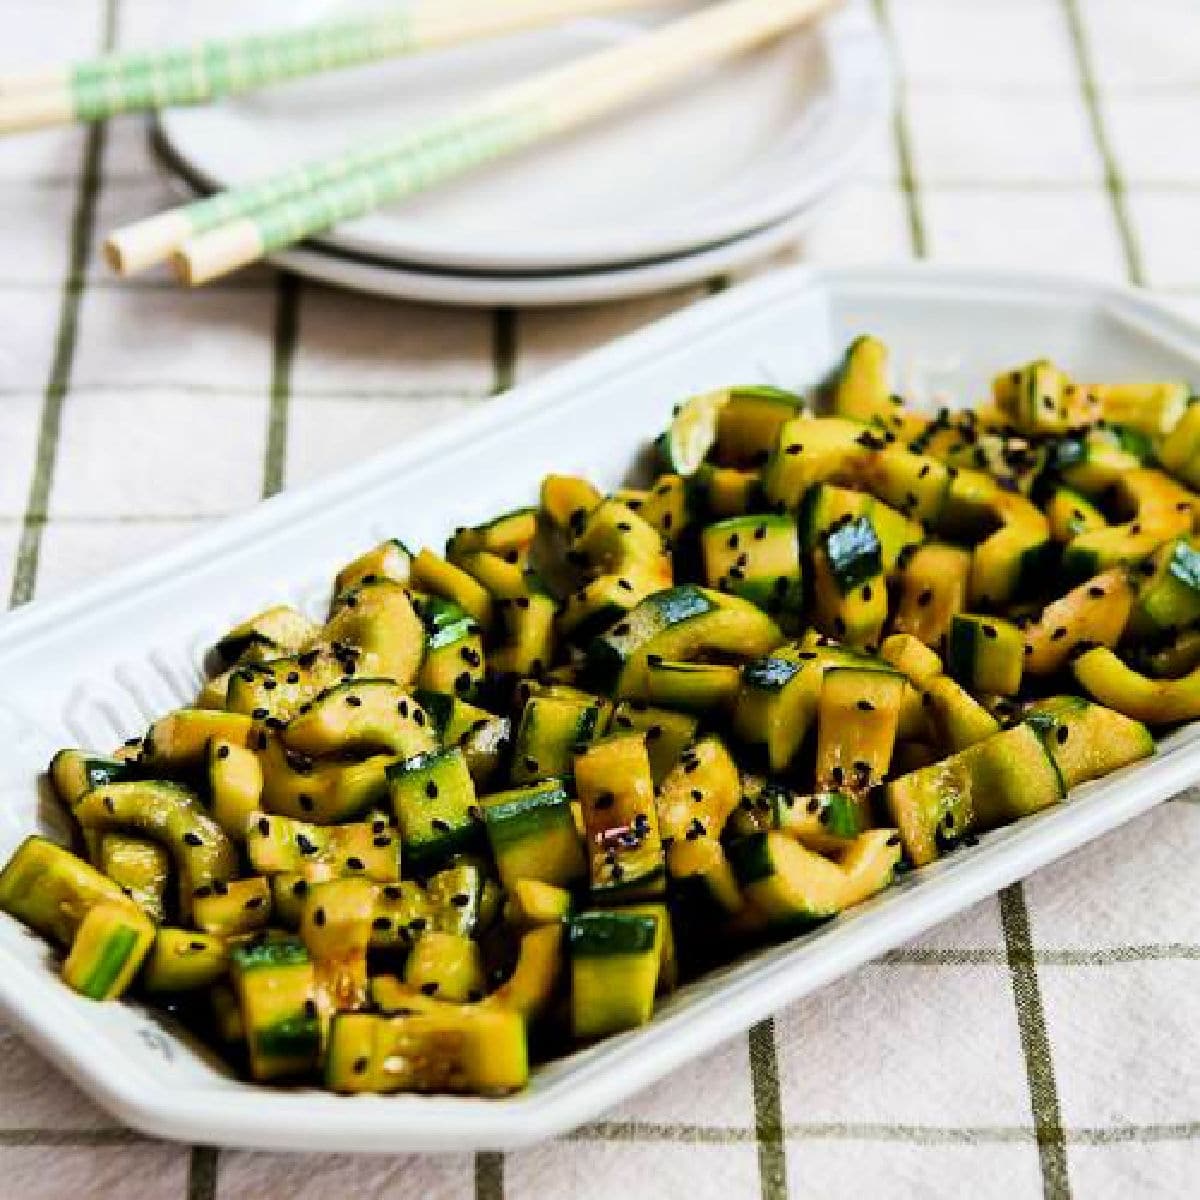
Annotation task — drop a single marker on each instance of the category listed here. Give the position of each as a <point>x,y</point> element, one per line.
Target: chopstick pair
<point>139,82</point>
<point>212,237</point>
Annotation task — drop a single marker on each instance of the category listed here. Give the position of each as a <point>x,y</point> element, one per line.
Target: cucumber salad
<point>504,798</point>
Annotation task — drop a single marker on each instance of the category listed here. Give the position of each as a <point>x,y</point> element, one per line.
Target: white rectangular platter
<point>91,669</point>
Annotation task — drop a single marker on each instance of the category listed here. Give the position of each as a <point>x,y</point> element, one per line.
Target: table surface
<point>1045,1040</point>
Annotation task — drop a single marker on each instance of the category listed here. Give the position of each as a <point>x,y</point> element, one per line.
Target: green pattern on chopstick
<point>192,74</point>
<point>447,149</point>
<point>319,193</point>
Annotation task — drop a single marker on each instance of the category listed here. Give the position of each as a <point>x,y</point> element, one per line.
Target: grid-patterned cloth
<point>1046,1040</point>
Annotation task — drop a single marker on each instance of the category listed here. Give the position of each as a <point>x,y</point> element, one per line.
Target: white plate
<point>534,291</point>
<point>94,667</point>
<point>748,144</point>
<point>525,289</point>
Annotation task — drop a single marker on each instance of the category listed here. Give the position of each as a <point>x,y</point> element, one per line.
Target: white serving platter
<point>93,667</point>
<point>742,147</point>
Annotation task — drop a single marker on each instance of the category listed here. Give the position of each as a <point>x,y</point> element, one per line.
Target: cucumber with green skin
<point>620,817</point>
<point>200,850</point>
<point>453,659</point>
<point>985,654</point>
<point>51,890</point>
<point>278,845</point>
<point>999,779</point>
<point>677,623</point>
<point>362,716</point>
<point>74,772</point>
<point>1085,740</point>
<point>109,946</point>
<point>757,557</point>
<point>391,559</point>
<point>614,970</point>
<point>273,633</point>
<point>690,686</point>
<point>793,887</point>
<point>859,387</point>
<point>551,730</point>
<point>184,960</point>
<point>276,990</point>
<point>434,800</point>
<point>533,836</point>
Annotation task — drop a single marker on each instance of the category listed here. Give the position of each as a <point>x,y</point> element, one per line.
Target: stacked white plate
<point>695,184</point>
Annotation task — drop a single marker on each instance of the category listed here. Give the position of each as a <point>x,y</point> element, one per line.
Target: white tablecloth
<point>1043,1042</point>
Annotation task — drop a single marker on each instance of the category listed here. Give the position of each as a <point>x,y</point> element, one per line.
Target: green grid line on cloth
<point>58,383</point>
<point>652,1132</point>
<point>903,140</point>
<point>768,1111</point>
<point>1035,1042</point>
<point>1114,182</point>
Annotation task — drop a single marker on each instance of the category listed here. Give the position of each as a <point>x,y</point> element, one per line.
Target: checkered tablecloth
<point>1046,1041</point>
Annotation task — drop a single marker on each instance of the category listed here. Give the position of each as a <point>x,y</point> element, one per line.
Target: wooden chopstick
<point>237,227</point>
<point>123,83</point>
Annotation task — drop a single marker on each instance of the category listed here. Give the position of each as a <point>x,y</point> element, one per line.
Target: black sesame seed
<point>864,706</point>
<point>429,989</point>
<point>319,916</point>
<point>193,839</point>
